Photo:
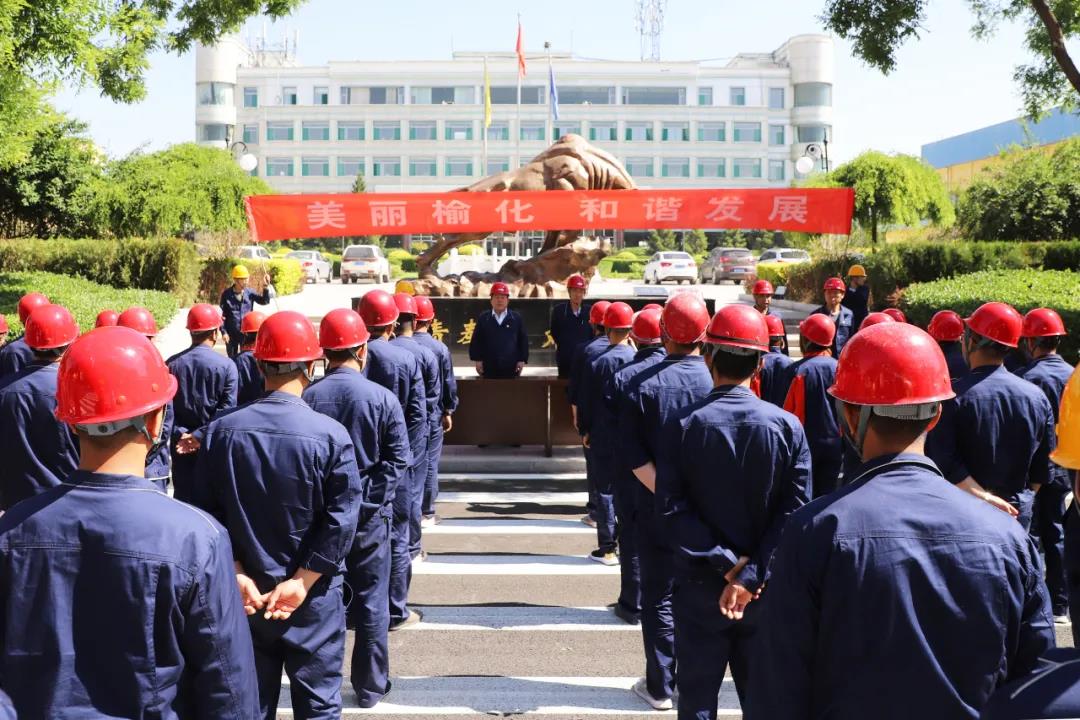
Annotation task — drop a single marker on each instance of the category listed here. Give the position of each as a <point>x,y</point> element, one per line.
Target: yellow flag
<point>487,97</point>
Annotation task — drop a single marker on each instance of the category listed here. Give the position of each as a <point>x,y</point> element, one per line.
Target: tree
<point>695,242</point>
<point>878,28</point>
<point>892,189</point>
<point>661,240</point>
<point>359,186</point>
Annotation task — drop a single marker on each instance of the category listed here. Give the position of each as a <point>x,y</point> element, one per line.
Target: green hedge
<point>83,298</point>
<point>1023,289</point>
<point>167,264</point>
<point>775,273</point>
<point>286,275</point>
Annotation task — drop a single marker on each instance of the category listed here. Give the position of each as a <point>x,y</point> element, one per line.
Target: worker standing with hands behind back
<point>238,300</point>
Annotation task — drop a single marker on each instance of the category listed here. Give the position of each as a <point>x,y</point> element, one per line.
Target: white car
<point>364,262</point>
<point>253,252</point>
<point>673,265</point>
<point>784,255</point>
<point>315,266</point>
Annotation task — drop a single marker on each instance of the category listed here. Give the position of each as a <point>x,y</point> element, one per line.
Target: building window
<point>422,167</point>
<point>776,134</point>
<point>251,97</point>
<point>214,93</point>
<point>213,133</point>
<point>498,165</point>
<point>704,96</point>
<point>675,167</point>
<point>813,95</point>
<point>585,95</point>
<point>279,167</point>
<point>507,95</point>
<point>315,167</point>
<point>562,127</point>
<point>675,132</point>
<point>776,98</point>
<point>738,96</point>
<point>811,133</point>
<point>350,131</point>
<point>288,96</point>
<point>279,131</point>
<point>458,166</point>
<point>607,131</point>
<point>373,95</point>
<point>711,168</point>
<point>459,130</point>
<point>464,95</point>
<point>315,130</point>
<point>251,134</point>
<point>776,170</point>
<point>639,132</point>
<point>711,132</point>
<point>532,130</point>
<point>654,96</point>
<point>498,130</point>
<point>747,132</point>
<point>350,166</point>
<point>321,96</point>
<point>423,130</point>
<point>746,168</point>
<point>382,130</point>
<point>639,167</point>
<point>386,167</point>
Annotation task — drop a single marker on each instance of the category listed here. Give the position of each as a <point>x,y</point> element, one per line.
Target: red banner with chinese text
<point>813,210</point>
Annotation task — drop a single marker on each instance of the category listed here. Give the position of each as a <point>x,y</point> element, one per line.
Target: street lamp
<point>244,159</point>
<point>813,153</point>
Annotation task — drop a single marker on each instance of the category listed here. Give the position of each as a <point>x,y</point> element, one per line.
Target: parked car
<point>677,266</point>
<point>364,261</point>
<point>253,252</point>
<point>316,267</point>
<point>726,264</point>
<point>784,256</point>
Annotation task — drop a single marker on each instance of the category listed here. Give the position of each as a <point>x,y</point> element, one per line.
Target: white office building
<point>419,125</point>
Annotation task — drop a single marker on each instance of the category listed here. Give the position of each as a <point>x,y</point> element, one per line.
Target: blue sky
<point>946,83</point>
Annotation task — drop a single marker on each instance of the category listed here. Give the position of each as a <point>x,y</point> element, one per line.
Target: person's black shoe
<point>627,616</point>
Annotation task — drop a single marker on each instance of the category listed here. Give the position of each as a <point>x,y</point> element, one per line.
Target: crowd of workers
<point>853,534</point>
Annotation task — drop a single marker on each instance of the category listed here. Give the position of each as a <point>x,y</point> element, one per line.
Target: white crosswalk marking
<point>509,527</point>
<point>522,619</point>
<point>511,565</point>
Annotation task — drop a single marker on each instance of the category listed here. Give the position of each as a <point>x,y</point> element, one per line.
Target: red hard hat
<point>596,312</point>
<point>892,364</point>
<point>775,325</point>
<point>3,325</point>
<point>252,322</point>
<point>378,309</point>
<point>763,287</point>
<point>425,309</point>
<point>287,337</point>
<point>1043,322</point>
<point>342,329</point>
<point>500,288</point>
<point>875,318</point>
<point>30,302</point>
<point>575,282</point>
<point>653,306</point>
<point>685,318</point>
<point>50,327</point>
<point>739,326</point>
<point>111,374</point>
<point>618,316</point>
<point>106,318</point>
<point>896,314</point>
<point>203,318</point>
<point>834,283</point>
<point>946,326</point>
<point>140,320</point>
<point>646,327</point>
<point>818,329</point>
<point>997,321</point>
<point>405,303</point>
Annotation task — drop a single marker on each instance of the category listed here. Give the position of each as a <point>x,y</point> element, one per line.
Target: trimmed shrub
<point>470,249</point>
<point>397,255</point>
<point>1062,256</point>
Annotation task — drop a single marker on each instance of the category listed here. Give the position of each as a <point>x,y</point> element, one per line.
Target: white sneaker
<point>641,689</point>
<point>429,521</point>
<point>604,558</point>
<point>1062,620</point>
<point>585,519</point>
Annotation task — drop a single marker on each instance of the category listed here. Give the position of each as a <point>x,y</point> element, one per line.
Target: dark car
<point>722,263</point>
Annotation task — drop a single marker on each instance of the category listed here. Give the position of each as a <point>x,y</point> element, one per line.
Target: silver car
<point>364,262</point>
<point>315,266</point>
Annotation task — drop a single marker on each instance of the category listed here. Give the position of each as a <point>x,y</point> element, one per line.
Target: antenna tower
<point>650,25</point>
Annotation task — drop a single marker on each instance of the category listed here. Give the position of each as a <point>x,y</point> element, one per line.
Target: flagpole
<point>487,115</point>
<point>521,53</point>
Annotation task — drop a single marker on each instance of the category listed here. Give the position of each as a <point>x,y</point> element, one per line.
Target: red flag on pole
<point>520,49</point>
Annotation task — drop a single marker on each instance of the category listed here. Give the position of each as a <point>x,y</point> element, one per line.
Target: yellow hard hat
<point>856,271</point>
<point>404,286</point>
<point>1067,453</point>
<point>240,272</point>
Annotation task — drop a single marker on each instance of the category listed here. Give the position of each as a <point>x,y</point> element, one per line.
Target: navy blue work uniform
<point>499,345</point>
<point>845,327</point>
<point>1050,373</point>
<point>397,370</point>
<point>652,397</point>
<point>376,424</point>
<point>118,601</point>
<point>159,459</point>
<point>418,473</point>
<point>954,358</point>
<point>7,708</point>
<point>14,356</point>
<point>770,380</point>
<point>250,383</point>
<point>448,403</point>
<point>857,300</point>
<point>897,596</point>
<point>234,306</point>
<point>583,357</point>
<point>206,385</point>
<point>283,480</point>
<point>738,467</point>
<point>999,429</point>
<point>37,451</point>
<point>808,398</point>
<point>569,329</point>
<point>1051,691</point>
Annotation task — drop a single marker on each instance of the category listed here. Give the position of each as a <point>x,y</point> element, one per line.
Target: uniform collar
<point>1048,358</point>
<point>685,358</point>
<point>279,396</point>
<point>340,370</point>
<point>874,466</point>
<point>87,478</point>
<point>648,350</point>
<point>733,391</point>
<point>988,369</point>
<point>817,354</point>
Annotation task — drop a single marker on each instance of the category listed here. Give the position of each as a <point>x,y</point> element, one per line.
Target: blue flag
<point>554,91</point>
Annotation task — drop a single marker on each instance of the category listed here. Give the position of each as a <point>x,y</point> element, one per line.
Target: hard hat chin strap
<point>910,413</point>
<point>273,368</point>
